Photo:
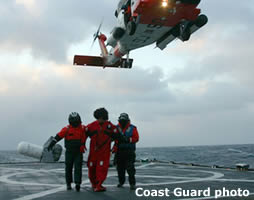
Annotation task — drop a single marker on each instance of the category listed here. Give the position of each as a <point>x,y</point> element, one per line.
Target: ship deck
<point>27,181</point>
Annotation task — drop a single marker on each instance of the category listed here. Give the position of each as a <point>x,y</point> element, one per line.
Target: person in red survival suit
<point>125,156</point>
<point>101,133</point>
<point>74,141</point>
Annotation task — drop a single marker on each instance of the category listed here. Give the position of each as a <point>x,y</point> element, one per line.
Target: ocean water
<point>221,155</point>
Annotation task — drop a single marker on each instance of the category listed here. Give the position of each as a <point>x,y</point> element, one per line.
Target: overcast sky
<point>199,92</point>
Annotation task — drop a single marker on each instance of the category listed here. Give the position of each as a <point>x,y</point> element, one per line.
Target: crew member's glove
<point>52,144</point>
<point>83,149</point>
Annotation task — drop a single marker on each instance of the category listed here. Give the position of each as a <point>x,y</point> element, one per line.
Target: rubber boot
<point>132,187</point>
<point>68,186</point>
<point>99,188</point>
<point>77,187</point>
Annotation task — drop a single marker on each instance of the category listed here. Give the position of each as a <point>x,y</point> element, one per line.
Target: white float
<point>30,150</point>
<point>39,152</point>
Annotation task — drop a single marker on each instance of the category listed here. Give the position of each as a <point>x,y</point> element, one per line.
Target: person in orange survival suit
<point>101,132</point>
<point>125,156</point>
<point>75,138</point>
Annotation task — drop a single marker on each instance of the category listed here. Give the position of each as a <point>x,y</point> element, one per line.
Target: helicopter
<point>141,23</point>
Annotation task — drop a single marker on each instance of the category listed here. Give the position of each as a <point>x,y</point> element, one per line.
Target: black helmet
<point>124,116</point>
<point>74,119</point>
<point>101,113</point>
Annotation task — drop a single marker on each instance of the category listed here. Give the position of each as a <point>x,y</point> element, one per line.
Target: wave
<point>235,150</point>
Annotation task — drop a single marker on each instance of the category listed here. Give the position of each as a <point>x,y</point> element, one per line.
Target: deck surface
<point>46,181</point>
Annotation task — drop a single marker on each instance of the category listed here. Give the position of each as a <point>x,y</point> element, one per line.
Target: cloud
<point>49,28</point>
<point>200,93</point>
<point>39,99</point>
<point>30,6</point>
